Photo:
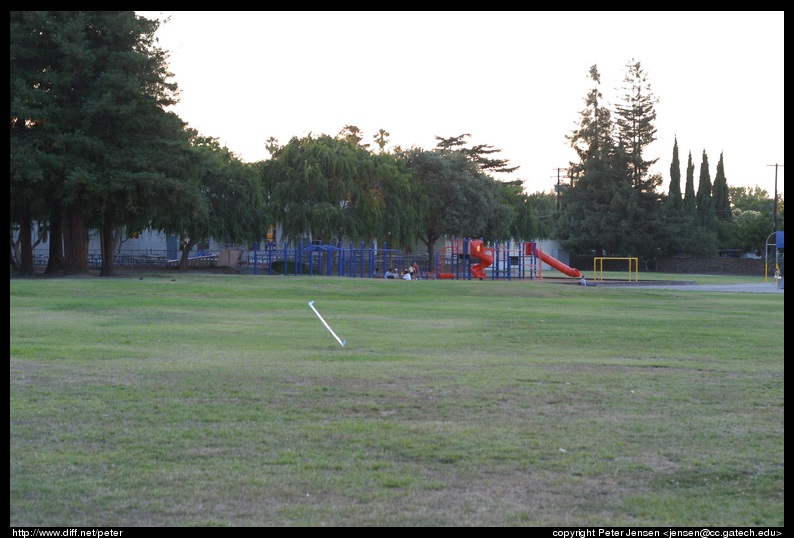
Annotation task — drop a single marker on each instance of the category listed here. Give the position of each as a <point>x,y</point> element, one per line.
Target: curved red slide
<point>557,264</point>
<point>482,253</point>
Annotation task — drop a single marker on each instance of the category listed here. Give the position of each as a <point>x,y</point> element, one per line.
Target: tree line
<point>94,150</point>
<point>614,205</point>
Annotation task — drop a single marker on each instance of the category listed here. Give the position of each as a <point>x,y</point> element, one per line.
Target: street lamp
<point>766,256</point>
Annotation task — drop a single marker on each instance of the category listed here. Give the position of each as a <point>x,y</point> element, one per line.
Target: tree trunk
<point>55,263</point>
<point>431,261</point>
<point>75,242</point>
<point>183,262</point>
<point>108,248</point>
<point>26,267</point>
<point>14,253</point>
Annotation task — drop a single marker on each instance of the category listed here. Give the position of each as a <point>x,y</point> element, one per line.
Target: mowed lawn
<point>222,400</point>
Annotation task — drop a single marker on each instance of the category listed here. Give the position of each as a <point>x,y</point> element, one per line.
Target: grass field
<point>222,400</point>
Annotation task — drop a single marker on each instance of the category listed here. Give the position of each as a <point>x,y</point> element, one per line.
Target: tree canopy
<point>88,107</point>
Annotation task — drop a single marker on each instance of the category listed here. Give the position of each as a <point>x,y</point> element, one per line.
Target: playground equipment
<point>319,259</point>
<point>461,259</point>
<point>482,253</point>
<point>598,267</point>
<point>558,265</point>
<point>509,260</point>
<point>463,250</point>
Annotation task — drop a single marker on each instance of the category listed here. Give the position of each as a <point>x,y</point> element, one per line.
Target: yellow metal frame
<point>601,267</point>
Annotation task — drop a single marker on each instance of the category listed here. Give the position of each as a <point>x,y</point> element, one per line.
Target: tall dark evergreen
<point>705,204</point>
<point>675,202</point>
<point>690,201</point>
<point>613,206</point>
<point>587,221</point>
<point>635,118</point>
<point>91,89</point>
<point>31,169</point>
<point>720,194</point>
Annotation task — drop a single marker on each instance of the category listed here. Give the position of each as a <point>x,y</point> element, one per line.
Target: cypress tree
<point>689,202</point>
<point>719,194</point>
<point>705,203</point>
<point>674,199</point>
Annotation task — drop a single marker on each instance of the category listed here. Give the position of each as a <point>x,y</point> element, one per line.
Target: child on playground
<point>417,273</point>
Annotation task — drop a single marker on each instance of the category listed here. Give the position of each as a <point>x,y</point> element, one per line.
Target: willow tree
<point>332,189</point>
<point>222,200</point>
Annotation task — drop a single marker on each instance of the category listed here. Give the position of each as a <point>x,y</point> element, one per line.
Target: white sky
<point>513,80</point>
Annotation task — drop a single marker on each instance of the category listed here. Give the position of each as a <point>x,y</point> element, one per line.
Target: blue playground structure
<point>329,260</point>
<point>462,259</point>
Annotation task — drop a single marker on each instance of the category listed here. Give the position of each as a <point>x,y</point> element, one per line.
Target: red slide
<point>557,264</point>
<point>482,253</point>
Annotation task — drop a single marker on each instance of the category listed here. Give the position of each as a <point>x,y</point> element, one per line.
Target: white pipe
<point>341,342</point>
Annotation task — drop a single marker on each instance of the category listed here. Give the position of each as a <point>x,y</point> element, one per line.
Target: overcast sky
<point>513,80</point>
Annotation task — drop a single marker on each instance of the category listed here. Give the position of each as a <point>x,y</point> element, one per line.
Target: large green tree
<point>98,90</point>
<point>613,206</point>
<point>34,169</point>
<point>333,188</point>
<point>525,224</point>
<point>635,114</point>
<point>751,218</point>
<point>643,228</point>
<point>459,199</point>
<point>587,221</point>
<point>230,206</point>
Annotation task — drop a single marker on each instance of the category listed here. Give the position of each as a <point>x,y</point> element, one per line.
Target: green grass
<point>221,400</point>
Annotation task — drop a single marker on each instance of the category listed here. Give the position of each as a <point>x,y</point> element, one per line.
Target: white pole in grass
<point>341,342</point>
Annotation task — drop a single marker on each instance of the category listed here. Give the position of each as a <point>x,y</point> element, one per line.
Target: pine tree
<point>636,130</point>
<point>476,154</point>
<point>588,220</point>
<point>642,225</point>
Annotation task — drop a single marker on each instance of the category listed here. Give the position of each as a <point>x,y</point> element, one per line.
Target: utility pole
<point>774,209</point>
<point>559,186</point>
